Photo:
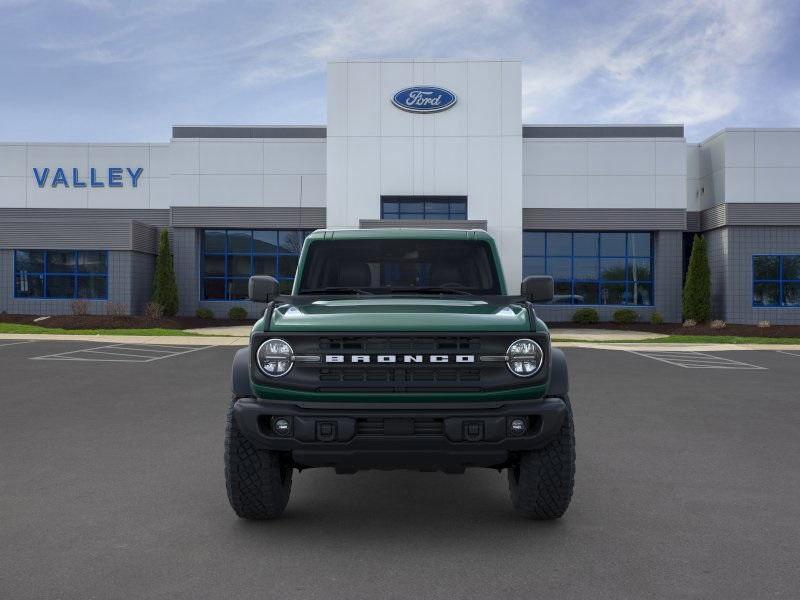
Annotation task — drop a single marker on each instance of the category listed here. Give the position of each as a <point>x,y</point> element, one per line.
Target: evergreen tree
<point>697,290</point>
<point>165,288</point>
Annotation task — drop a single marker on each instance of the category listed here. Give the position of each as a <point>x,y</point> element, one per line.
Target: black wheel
<point>258,481</point>
<point>541,482</point>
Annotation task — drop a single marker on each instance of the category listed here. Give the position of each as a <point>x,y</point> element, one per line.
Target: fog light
<point>518,426</point>
<point>281,426</point>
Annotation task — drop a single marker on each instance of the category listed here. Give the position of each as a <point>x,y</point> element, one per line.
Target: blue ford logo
<point>424,99</point>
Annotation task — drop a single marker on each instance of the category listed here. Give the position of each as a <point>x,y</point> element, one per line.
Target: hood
<point>401,314</point>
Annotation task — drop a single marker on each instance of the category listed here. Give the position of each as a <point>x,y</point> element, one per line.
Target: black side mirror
<point>538,288</point>
<point>262,288</point>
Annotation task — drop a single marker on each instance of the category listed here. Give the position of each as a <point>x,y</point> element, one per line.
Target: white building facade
<point>609,211</point>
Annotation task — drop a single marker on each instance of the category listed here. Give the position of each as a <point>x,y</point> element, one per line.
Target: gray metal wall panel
<point>718,254</point>
<point>693,221</point>
<point>421,224</point>
<point>151,216</point>
<point>602,131</point>
<point>559,313</point>
<point>65,234</point>
<point>144,238</point>
<point>141,277</point>
<point>766,214</point>
<point>186,259</point>
<point>713,217</point>
<point>605,219</point>
<point>742,243</point>
<point>255,217</point>
<point>668,275</point>
<point>312,132</point>
<point>762,213</point>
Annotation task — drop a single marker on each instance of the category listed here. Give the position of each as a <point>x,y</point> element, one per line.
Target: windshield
<point>398,266</point>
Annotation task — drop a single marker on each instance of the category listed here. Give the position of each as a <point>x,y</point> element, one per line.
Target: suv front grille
<point>357,363</point>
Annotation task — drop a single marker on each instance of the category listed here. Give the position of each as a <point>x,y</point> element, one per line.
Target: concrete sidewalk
<point>153,340</point>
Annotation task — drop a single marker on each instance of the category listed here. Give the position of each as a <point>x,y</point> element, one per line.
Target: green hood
<point>401,314</point>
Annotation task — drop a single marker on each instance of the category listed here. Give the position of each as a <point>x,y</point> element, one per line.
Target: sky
<point>127,70</point>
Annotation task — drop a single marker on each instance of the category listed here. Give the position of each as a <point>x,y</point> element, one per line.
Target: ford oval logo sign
<point>424,99</point>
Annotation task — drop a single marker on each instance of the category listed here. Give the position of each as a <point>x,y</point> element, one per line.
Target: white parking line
<point>126,352</point>
<point>698,360</point>
<point>787,353</point>
<point>16,343</point>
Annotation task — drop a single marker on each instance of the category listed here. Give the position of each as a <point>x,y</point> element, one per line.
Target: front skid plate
<point>366,437</point>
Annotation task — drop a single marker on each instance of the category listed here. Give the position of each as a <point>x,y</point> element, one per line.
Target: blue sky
<point>105,70</point>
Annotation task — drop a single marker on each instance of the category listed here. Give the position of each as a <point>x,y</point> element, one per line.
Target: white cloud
<point>684,62</point>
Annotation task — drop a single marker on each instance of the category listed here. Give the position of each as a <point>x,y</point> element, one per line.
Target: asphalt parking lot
<point>111,486</point>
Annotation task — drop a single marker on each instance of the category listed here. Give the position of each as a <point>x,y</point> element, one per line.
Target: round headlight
<point>524,357</point>
<point>275,357</point>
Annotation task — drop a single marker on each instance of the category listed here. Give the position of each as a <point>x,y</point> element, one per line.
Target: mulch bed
<point>120,322</point>
<point>774,331</point>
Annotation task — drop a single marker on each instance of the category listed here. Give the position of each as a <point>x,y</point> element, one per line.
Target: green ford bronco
<point>399,349</point>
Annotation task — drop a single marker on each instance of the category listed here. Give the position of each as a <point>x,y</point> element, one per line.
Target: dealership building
<point>608,210</point>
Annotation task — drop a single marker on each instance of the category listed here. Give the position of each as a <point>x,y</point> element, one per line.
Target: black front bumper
<point>419,437</point>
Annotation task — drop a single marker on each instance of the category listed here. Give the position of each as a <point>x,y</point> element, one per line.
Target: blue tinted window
<point>230,257</point>
<point>590,267</point>
<point>424,208</point>
<point>65,274</point>
<point>776,280</point>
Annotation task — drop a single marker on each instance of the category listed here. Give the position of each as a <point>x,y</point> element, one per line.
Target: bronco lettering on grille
<point>400,358</point>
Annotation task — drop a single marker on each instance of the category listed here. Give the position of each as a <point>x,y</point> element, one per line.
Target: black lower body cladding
<point>433,437</point>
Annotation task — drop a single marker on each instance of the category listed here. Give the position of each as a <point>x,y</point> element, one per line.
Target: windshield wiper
<point>431,290</point>
<point>336,290</point>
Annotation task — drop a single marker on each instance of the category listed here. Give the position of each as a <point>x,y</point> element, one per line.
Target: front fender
<point>240,374</point>
<point>559,374</point>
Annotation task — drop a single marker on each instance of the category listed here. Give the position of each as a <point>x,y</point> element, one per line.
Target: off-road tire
<point>541,482</point>
<point>258,481</point>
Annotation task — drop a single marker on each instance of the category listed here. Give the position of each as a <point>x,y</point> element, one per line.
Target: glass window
<point>776,280</point>
<point>395,266</point>
<point>587,244</point>
<point>214,240</point>
<point>766,267</point>
<point>534,243</point>
<point>239,242</point>
<point>60,261</point>
<point>612,244</point>
<point>590,267</point>
<point>63,274</point>
<point>424,207</point>
<point>265,242</point>
<point>791,268</point>
<point>559,268</point>
<point>230,257</point>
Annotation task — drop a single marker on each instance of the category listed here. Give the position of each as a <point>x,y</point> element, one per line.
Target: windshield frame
<point>494,260</point>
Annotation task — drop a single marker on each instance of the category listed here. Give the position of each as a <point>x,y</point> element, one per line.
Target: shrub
<point>690,323</point>
<point>153,311</point>
<point>697,290</point>
<point>165,288</point>
<point>717,324</point>
<point>237,312</point>
<point>624,315</point>
<point>204,313</point>
<point>79,308</point>
<point>585,316</point>
<point>656,318</point>
<point>116,309</point>
<point>764,324</point>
